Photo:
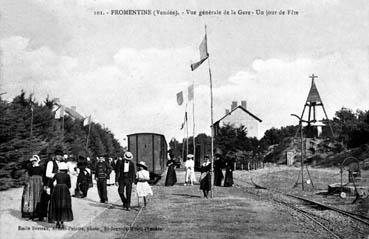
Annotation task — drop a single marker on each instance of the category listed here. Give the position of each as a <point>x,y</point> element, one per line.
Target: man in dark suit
<point>124,177</point>
<point>102,171</point>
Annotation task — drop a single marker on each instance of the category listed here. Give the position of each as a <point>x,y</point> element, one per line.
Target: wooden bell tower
<point>314,101</point>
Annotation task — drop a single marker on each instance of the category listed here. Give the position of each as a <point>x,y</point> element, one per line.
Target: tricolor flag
<point>185,121</point>
<point>190,92</point>
<point>203,54</point>
<point>87,121</point>
<point>180,98</point>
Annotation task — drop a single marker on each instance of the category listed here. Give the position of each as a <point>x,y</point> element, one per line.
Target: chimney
<point>244,104</point>
<point>74,108</point>
<point>227,111</point>
<point>234,105</point>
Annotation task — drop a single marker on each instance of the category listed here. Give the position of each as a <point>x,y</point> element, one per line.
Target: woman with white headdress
<point>31,197</point>
<point>61,202</point>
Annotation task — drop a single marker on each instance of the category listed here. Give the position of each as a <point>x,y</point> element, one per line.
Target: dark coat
<point>102,170</point>
<point>119,169</point>
<point>171,178</point>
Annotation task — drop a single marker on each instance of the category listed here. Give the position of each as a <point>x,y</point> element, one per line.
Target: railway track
<point>308,208</point>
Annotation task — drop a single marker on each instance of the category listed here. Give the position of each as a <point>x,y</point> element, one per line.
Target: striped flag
<point>203,54</point>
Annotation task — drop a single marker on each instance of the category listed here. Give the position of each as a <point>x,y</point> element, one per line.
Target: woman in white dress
<point>143,188</point>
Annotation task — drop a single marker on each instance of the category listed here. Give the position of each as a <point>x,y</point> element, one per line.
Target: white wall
<point>240,117</point>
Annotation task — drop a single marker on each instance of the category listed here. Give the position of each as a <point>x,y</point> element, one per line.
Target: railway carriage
<point>152,149</point>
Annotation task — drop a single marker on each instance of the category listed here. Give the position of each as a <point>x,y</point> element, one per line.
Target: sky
<point>125,70</point>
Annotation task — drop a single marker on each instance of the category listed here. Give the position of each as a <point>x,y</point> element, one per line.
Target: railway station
<point>184,119</point>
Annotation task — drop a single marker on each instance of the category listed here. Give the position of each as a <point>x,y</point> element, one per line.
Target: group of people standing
<point>47,195</point>
<point>205,169</point>
<point>228,166</point>
<point>47,192</point>
<point>125,177</point>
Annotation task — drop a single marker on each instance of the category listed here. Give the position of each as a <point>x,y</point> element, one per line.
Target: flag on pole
<point>180,98</point>
<point>185,121</point>
<point>59,113</point>
<point>87,121</point>
<point>190,92</point>
<point>203,54</point>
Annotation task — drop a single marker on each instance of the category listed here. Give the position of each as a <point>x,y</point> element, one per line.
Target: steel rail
<point>355,216</point>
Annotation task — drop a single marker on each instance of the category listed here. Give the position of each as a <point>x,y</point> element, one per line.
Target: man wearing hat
<point>52,168</point>
<point>190,173</point>
<point>125,176</point>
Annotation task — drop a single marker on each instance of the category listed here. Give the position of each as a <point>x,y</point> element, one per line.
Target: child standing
<point>143,187</point>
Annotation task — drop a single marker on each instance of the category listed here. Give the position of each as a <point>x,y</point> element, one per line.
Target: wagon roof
<point>146,133</point>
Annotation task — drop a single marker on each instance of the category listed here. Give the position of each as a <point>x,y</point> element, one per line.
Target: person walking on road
<point>143,187</point>
<point>102,171</point>
<point>125,176</point>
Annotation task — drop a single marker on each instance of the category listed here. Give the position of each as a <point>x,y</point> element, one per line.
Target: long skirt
<point>61,204</point>
<point>218,177</point>
<point>143,189</point>
<point>31,197</point>
<point>205,183</point>
<point>228,181</point>
<point>171,176</point>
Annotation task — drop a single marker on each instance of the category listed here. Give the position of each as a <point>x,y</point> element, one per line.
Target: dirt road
<point>174,212</point>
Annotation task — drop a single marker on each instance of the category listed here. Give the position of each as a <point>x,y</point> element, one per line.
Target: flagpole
<point>212,128</point>
<point>63,126</point>
<point>186,132</point>
<point>88,134</point>
<point>193,119</point>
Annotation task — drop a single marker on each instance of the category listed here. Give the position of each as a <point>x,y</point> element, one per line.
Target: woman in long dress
<point>143,188</point>
<point>171,178</point>
<point>61,202</point>
<point>228,180</point>
<point>218,174</point>
<point>205,179</point>
<point>32,191</point>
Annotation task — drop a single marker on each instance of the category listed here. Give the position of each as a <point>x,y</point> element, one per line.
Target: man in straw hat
<point>125,176</point>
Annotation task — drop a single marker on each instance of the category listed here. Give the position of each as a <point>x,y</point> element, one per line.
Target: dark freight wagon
<point>150,148</point>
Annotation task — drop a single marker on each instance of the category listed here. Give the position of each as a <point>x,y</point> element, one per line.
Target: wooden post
<point>212,126</point>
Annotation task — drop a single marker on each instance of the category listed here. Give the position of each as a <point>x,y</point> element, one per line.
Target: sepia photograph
<point>184,119</point>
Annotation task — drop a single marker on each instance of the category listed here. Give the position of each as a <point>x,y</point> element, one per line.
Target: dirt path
<point>84,210</point>
<point>182,212</point>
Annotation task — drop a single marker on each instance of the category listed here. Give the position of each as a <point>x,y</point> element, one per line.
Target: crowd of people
<point>49,190</point>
